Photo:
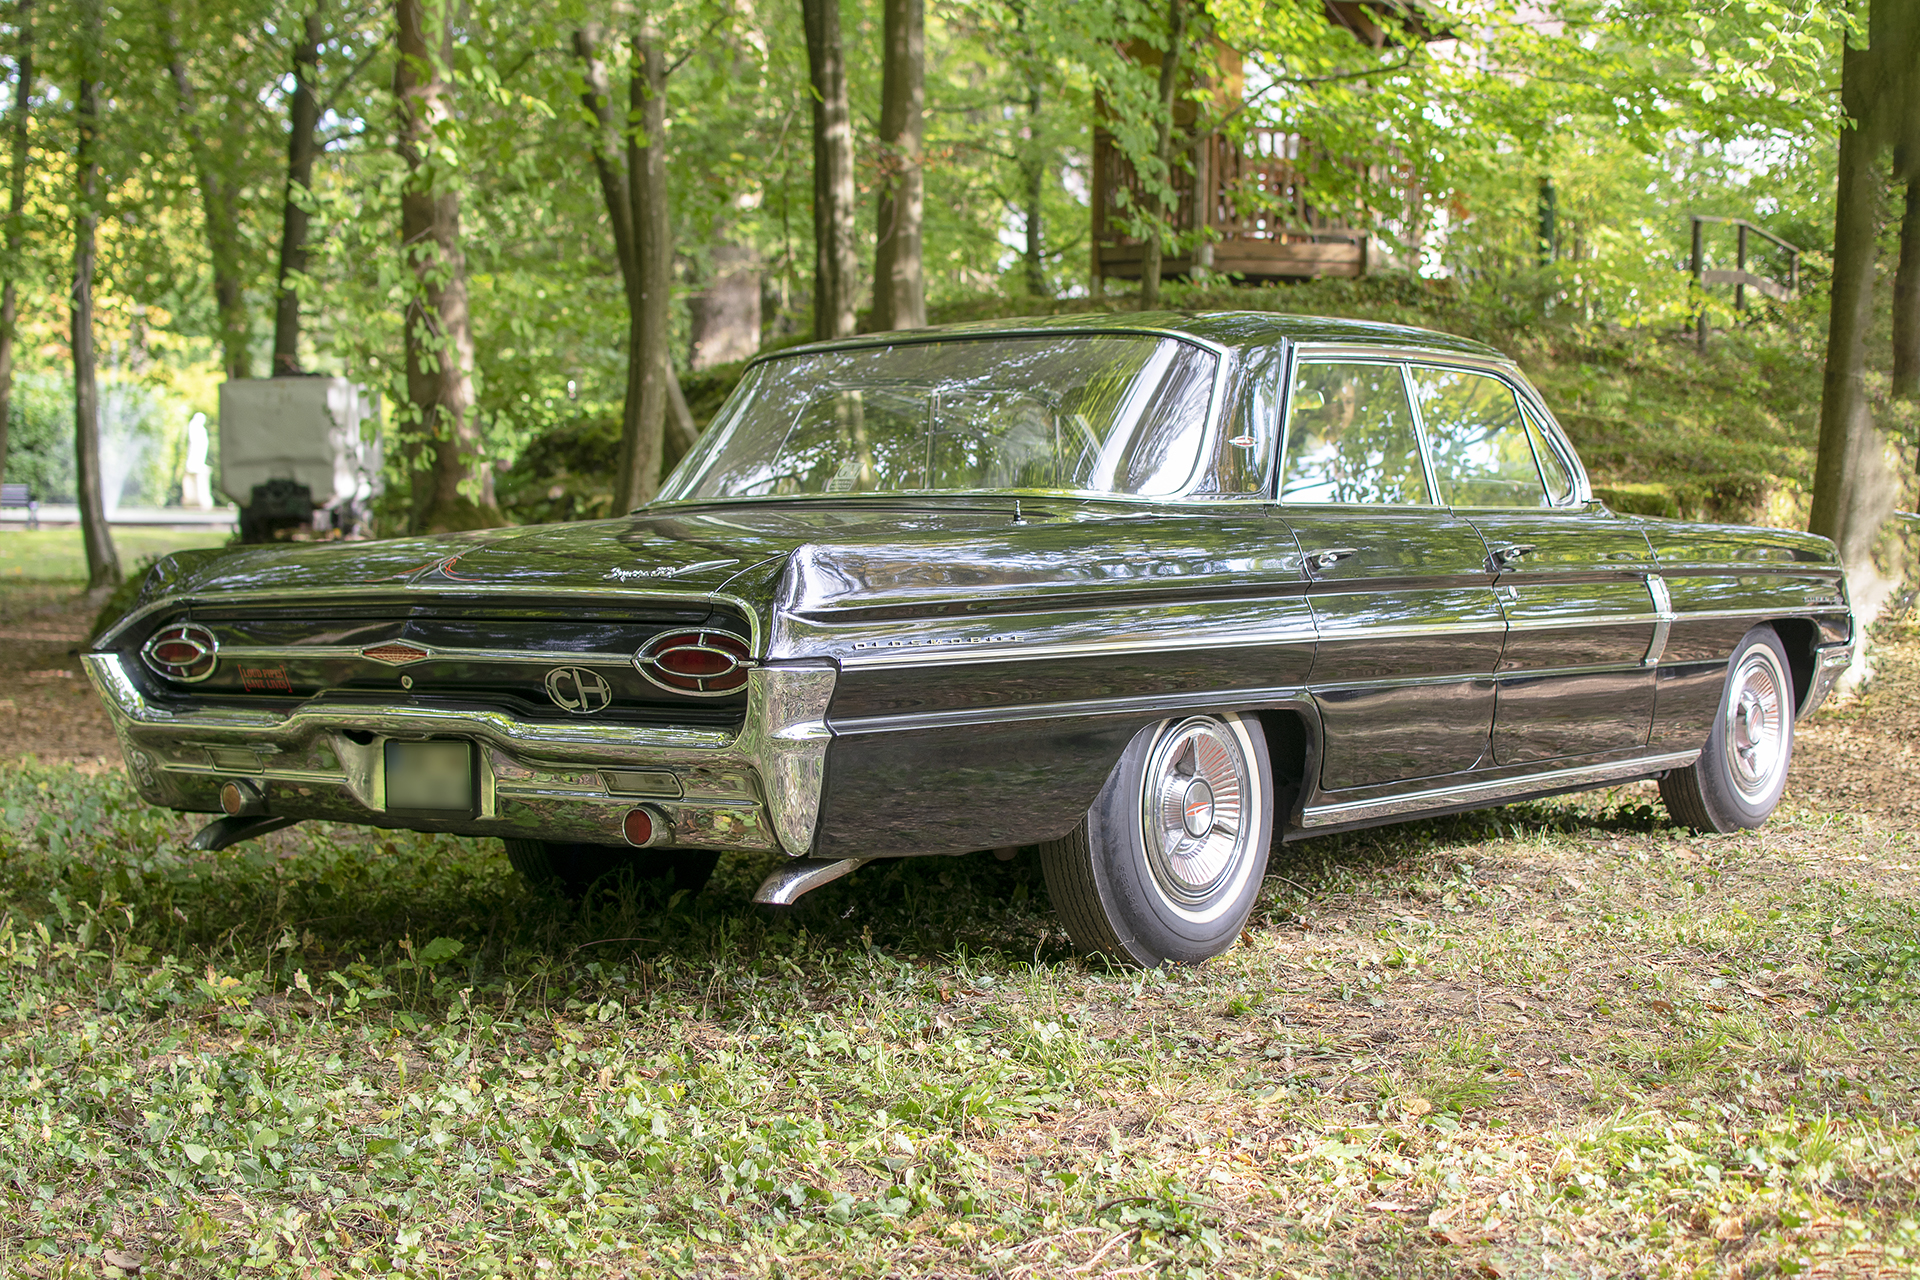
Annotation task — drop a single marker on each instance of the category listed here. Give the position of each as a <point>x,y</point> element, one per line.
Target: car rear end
<point>611,717</point>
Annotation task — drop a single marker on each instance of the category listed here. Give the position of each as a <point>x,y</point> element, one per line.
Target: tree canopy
<point>1548,154</point>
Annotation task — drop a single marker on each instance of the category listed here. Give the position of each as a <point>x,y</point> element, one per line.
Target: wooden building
<point>1252,194</point>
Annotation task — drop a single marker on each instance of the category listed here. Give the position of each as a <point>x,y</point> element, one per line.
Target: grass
<point>57,555</point>
<point>1558,1037</point>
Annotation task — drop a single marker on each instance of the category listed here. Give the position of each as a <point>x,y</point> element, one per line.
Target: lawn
<point>57,555</point>
<point>1553,1039</point>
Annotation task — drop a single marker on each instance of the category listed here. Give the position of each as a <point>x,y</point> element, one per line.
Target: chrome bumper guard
<point>755,789</point>
<point>1830,662</point>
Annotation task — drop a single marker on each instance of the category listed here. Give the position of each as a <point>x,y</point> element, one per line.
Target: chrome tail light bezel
<point>731,679</point>
<point>203,662</point>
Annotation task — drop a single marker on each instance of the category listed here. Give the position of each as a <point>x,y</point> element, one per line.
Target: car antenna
<point>1017,517</point>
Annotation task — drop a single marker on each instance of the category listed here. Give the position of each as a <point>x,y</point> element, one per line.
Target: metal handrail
<point>1740,278</point>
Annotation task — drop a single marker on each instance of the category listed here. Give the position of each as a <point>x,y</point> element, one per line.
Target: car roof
<point>1231,329</point>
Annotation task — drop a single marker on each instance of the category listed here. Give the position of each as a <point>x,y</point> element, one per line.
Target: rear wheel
<point>1742,770</point>
<point>575,868</point>
<point>1167,863</point>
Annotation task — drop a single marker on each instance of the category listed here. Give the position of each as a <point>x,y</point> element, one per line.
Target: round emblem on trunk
<point>578,690</point>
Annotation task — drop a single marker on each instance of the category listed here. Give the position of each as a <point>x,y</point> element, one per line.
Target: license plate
<point>432,777</point>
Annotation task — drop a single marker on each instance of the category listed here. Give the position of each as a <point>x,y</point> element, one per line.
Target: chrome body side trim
<point>1011,649</point>
<point>1492,791</point>
<point>1663,619</point>
<point>404,597</point>
<point>1149,704</point>
<point>429,652</point>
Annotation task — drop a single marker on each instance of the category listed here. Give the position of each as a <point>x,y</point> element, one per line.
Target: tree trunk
<point>220,206</point>
<point>1163,152</point>
<point>1853,490</point>
<point>454,490</point>
<point>1034,172</point>
<point>899,289</point>
<point>835,264</point>
<point>103,564</point>
<point>649,365</point>
<point>303,119</point>
<point>1906,301</point>
<point>17,198</point>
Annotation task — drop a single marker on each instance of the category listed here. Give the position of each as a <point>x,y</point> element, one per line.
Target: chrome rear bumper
<point>576,780</point>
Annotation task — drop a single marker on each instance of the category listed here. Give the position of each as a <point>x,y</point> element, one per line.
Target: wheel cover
<point>1756,725</point>
<point>1195,796</point>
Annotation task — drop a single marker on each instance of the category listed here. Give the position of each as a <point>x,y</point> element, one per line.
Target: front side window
<point>1351,437</point>
<point>1483,455</point>
<point>1103,413</point>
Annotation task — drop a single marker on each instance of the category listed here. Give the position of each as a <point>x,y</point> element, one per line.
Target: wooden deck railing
<point>1254,197</point>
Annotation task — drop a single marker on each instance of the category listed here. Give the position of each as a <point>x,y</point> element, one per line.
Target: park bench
<point>19,495</point>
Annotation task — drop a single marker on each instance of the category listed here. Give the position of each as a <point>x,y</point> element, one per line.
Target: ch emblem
<point>577,690</point>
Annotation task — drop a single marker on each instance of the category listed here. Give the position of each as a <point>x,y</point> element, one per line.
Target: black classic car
<point>1148,592</point>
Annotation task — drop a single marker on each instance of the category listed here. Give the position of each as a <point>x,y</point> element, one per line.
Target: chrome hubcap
<point>1198,787</point>
<point>1756,729</point>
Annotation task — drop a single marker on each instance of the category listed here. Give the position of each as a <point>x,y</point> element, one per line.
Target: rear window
<point>1104,414</point>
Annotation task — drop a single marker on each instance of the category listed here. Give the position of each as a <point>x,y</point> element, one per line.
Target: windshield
<point>1105,413</point>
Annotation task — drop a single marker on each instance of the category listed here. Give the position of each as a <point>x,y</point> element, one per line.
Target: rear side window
<point>1559,479</point>
<point>1483,454</point>
<point>1351,437</point>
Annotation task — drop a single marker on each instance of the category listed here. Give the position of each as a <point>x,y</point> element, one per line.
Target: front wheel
<point>1742,770</point>
<point>1167,863</point>
<point>575,868</point>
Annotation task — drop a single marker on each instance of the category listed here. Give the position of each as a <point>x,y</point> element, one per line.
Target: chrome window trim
<point>1501,366</point>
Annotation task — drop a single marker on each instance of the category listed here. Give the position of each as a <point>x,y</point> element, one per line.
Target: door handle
<point>1506,556</point>
<point>1327,557</point>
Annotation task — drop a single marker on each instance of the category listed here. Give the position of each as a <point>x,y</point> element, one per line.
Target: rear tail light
<point>705,663</point>
<point>182,651</point>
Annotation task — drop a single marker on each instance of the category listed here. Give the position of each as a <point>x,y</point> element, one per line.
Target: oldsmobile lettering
<point>1145,594</point>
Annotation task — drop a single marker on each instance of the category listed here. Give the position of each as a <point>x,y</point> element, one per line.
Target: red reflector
<point>697,662</point>
<point>639,827</point>
<point>177,653</point>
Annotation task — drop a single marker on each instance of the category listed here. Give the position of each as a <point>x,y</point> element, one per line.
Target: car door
<point>1403,605</point>
<point>1574,579</point>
